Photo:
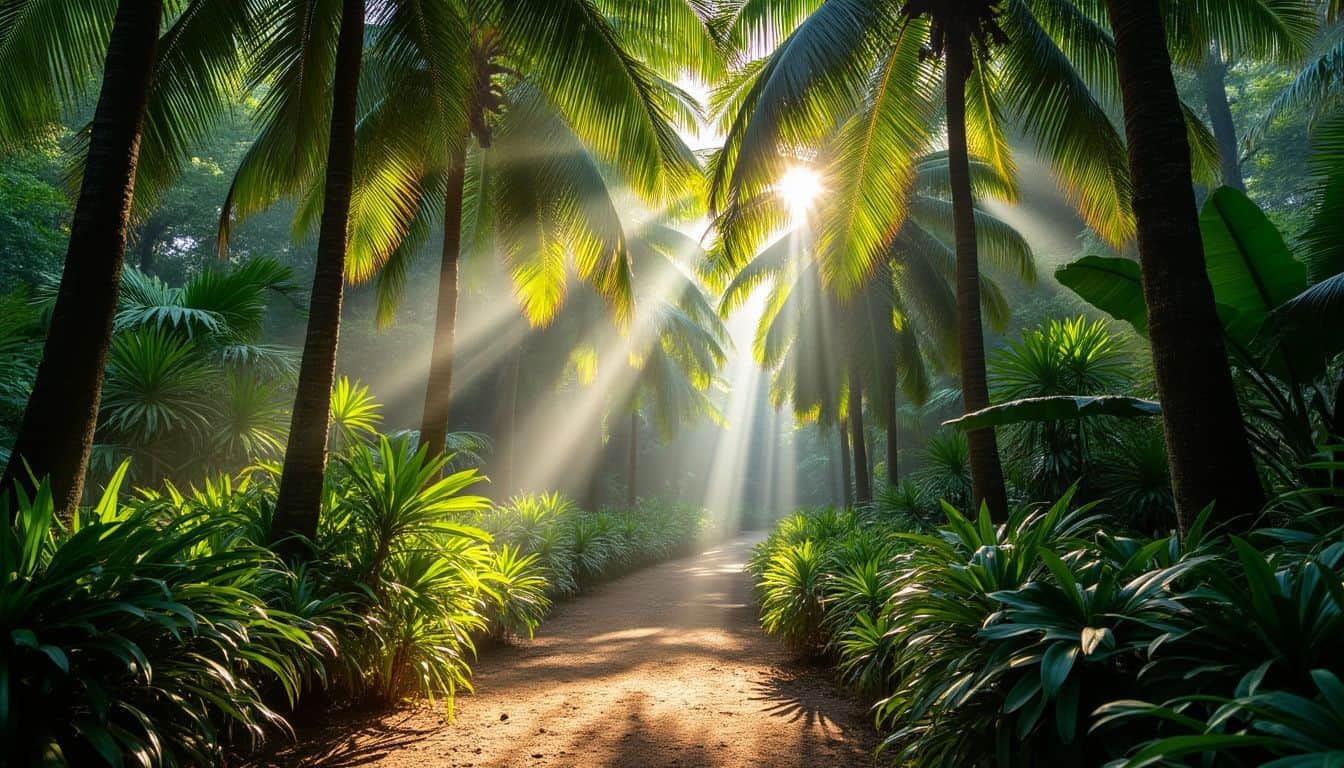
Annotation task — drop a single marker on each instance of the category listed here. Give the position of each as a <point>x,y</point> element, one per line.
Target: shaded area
<point>666,667</point>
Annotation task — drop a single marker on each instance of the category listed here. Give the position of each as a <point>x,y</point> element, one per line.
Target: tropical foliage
<point>1063,555</point>
<point>1050,636</point>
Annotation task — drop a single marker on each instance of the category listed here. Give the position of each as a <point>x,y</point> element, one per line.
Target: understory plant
<point>573,547</point>
<point>133,631</point>
<point>1054,637</point>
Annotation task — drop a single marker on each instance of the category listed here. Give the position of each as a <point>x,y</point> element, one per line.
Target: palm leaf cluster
<point>191,387</point>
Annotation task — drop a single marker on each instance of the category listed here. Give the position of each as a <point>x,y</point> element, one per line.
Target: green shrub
<point>515,588</point>
<point>1048,638</point>
<point>134,632</point>
<point>399,537</point>
<point>793,588</point>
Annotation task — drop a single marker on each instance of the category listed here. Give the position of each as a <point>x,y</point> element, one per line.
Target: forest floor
<point>664,667</point>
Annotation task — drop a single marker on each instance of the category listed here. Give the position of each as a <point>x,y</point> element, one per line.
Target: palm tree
<point>300,494</point>
<point>56,433</point>
<point>1206,438</point>
<point>159,94</point>
<point>913,283</point>
<point>1318,84</point>
<point>423,175</point>
<point>862,65</point>
<point>1224,33</point>
<point>539,197</point>
<point>679,344</point>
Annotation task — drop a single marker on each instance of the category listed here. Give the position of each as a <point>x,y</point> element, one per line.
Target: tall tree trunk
<point>863,487</point>
<point>1213,82</point>
<point>845,475</point>
<point>893,469</point>
<point>632,492</point>
<point>146,240</point>
<point>56,433</point>
<point>1206,439</point>
<point>511,423</point>
<point>986,472</point>
<point>299,501</point>
<point>439,389</point>
<point>836,477</point>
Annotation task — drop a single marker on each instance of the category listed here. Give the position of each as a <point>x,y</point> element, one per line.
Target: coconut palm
<point>443,61</point>
<point>913,284</point>
<point>678,344</point>
<point>1206,438</point>
<point>1319,83</point>
<point>157,95</point>
<point>524,158</point>
<point>864,66</point>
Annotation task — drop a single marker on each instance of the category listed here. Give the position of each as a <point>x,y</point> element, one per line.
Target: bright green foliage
<point>1054,442</point>
<point>574,548</point>
<point>399,533</point>
<point>946,471</point>
<point>538,524</point>
<point>355,414</point>
<point>190,387</point>
<point>823,579</point>
<point>136,631</point>
<point>1043,639</point>
<point>515,589</point>
<point>793,588</point>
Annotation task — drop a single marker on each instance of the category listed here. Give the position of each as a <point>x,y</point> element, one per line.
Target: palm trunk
<point>511,423</point>
<point>439,389</point>
<point>863,487</point>
<point>56,433</point>
<point>845,476</point>
<point>1206,439</point>
<point>593,490</point>
<point>1213,81</point>
<point>839,488</point>
<point>893,469</point>
<point>299,501</point>
<point>631,493</point>
<point>986,472</point>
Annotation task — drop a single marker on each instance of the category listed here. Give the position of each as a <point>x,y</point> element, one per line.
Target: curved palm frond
<point>874,164</point>
<point>617,105</point>
<point>51,52</point>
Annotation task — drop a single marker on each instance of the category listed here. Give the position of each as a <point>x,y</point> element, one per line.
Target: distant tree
<point>822,348</point>
<point>34,216</point>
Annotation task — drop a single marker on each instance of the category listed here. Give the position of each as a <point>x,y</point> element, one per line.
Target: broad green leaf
<point>1249,265</point>
<point>1055,666</point>
<point>1110,284</point>
<point>1308,330</point>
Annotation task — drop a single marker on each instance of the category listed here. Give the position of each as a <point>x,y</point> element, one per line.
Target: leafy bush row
<point>1050,638</point>
<point>572,547</point>
<point>162,630</point>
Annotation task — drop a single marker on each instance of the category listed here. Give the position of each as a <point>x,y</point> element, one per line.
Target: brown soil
<point>665,667</point>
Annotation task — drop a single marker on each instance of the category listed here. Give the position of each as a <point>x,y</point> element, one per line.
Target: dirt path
<point>665,667</point>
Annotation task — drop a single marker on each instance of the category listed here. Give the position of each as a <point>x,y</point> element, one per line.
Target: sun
<point>799,188</point>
